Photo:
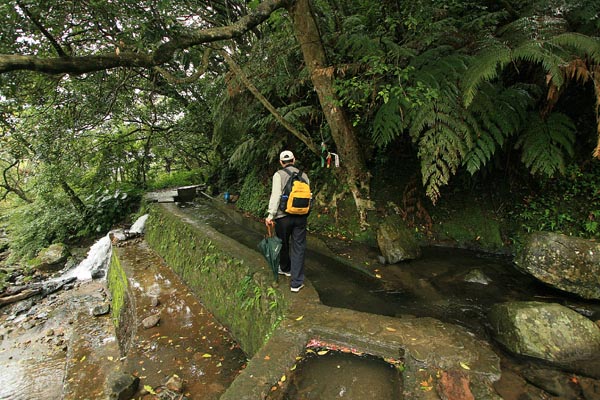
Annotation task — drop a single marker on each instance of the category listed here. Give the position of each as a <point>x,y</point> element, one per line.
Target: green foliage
<point>41,223</point>
<point>552,53</point>
<point>545,142</point>
<point>499,113</point>
<point>107,208</point>
<point>567,204</point>
<point>177,178</point>
<point>254,196</point>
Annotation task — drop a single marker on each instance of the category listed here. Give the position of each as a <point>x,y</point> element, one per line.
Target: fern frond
<point>535,52</point>
<point>498,113</point>
<point>430,57</point>
<point>584,45</point>
<point>444,134</point>
<point>388,123</point>
<point>486,67</point>
<point>242,152</point>
<point>396,52</point>
<point>293,113</point>
<point>544,143</point>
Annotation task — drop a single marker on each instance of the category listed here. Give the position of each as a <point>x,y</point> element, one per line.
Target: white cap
<point>286,155</point>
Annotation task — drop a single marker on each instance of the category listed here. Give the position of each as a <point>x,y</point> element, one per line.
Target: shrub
<point>254,196</point>
<point>177,178</point>
<point>569,204</point>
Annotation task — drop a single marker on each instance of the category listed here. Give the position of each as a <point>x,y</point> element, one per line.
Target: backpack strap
<point>291,174</point>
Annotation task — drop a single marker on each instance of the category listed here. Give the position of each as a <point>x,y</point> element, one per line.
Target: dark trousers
<point>291,229</point>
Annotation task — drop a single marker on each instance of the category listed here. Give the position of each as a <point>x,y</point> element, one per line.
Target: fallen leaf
<point>300,318</point>
<point>206,355</point>
<point>377,276</point>
<point>283,378</point>
<point>322,352</point>
<point>82,359</point>
<point>149,389</point>
<point>390,329</point>
<point>267,358</point>
<point>464,365</point>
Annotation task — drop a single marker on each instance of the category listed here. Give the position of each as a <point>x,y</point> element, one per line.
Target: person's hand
<point>269,222</point>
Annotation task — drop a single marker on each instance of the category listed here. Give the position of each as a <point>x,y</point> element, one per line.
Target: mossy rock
<point>51,258</point>
<point>471,227</point>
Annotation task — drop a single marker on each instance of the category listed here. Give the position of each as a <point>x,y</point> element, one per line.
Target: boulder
<point>151,321</point>
<point>397,243</point>
<point>546,331</point>
<point>477,276</point>
<point>568,263</point>
<point>52,258</point>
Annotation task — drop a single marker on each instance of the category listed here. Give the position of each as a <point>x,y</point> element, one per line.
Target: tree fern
<point>551,48</point>
<point>581,44</point>
<point>499,113</point>
<point>486,68</point>
<point>444,136</point>
<point>544,143</point>
<point>388,123</point>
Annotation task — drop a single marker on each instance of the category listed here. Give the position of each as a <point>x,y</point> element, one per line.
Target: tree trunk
<point>354,170</point>
<point>75,200</point>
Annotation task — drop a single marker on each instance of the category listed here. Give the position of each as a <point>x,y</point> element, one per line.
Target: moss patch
<point>118,285</point>
<point>471,227</point>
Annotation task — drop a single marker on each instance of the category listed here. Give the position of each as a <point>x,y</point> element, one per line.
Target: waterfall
<point>98,257</point>
<point>139,225</point>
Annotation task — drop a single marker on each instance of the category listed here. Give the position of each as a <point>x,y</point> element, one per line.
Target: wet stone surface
<point>187,341</point>
<point>34,350</point>
<point>58,350</point>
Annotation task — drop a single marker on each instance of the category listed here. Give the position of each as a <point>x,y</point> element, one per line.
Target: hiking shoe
<point>296,289</point>
<point>286,273</point>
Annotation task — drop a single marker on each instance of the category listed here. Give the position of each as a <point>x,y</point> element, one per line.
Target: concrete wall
<point>233,282</point>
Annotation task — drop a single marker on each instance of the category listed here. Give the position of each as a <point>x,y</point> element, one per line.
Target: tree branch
<point>42,29</point>
<point>189,79</point>
<point>163,54</point>
<point>242,76</point>
<point>9,188</point>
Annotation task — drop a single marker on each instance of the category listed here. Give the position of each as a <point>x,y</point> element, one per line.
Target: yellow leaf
<point>300,318</point>
<point>149,389</point>
<point>377,276</point>
<point>82,359</point>
<point>110,358</point>
<point>206,355</point>
<point>390,329</point>
<point>283,378</point>
<point>293,368</point>
<point>464,365</point>
<point>322,352</point>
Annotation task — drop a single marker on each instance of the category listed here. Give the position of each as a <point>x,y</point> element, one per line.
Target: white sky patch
<point>28,40</point>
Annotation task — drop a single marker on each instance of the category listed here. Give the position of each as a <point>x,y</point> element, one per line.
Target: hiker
<point>288,226</point>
